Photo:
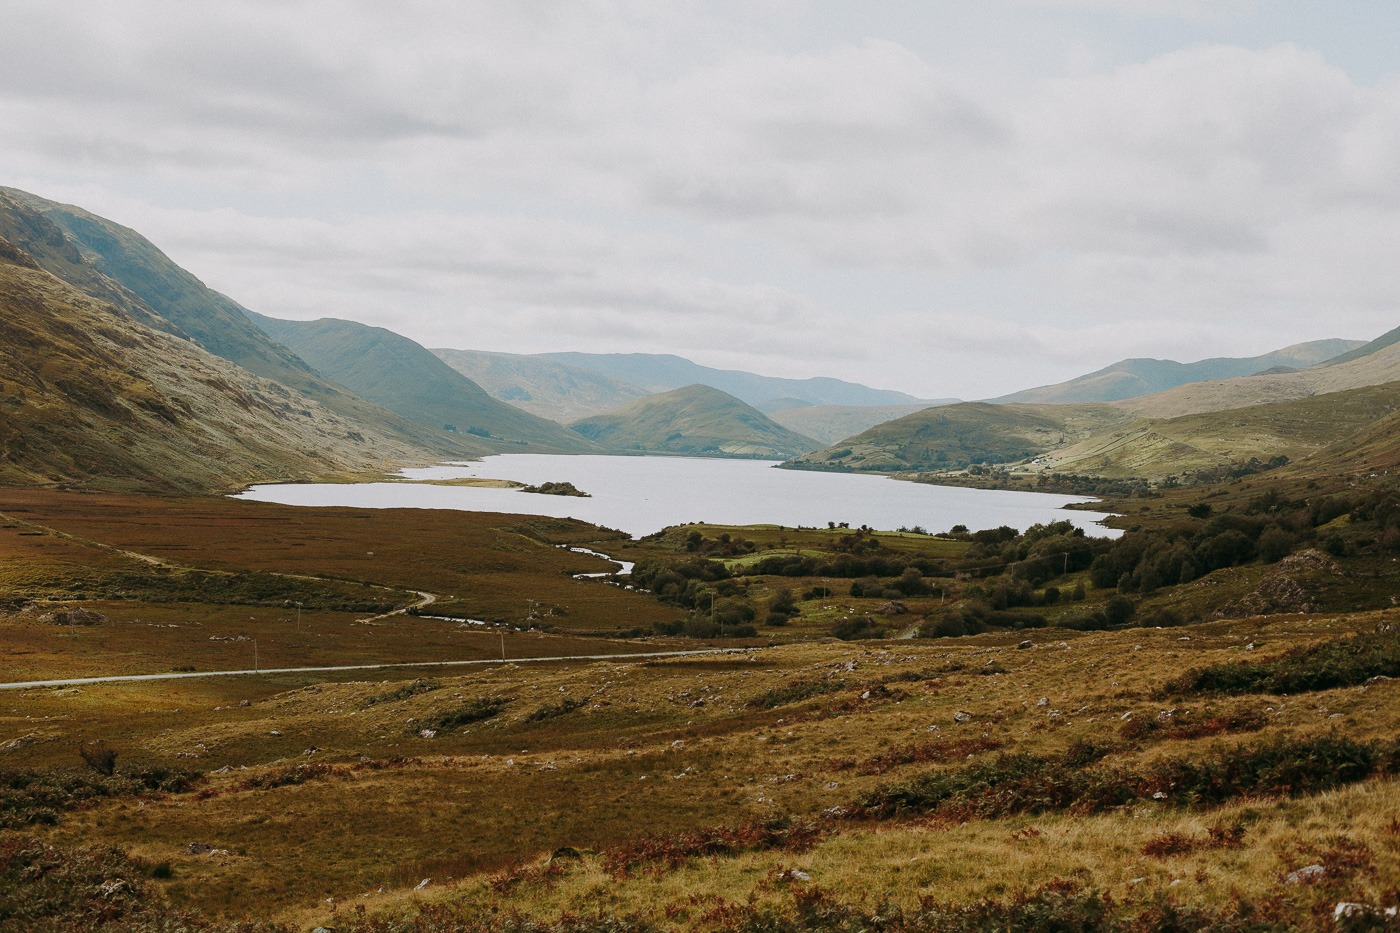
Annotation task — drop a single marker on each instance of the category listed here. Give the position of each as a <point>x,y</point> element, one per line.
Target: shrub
<point>99,756</point>
<point>405,692</point>
<point>1343,662</point>
<point>673,851</point>
<point>475,711</point>
<point>794,692</point>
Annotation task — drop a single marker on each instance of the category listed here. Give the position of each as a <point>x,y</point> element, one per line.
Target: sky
<point>951,198</point>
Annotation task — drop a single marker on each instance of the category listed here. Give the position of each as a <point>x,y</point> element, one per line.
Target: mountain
<point>393,371</point>
<point>696,420</point>
<point>1155,448</point>
<point>1137,377</point>
<point>1378,366</point>
<point>91,395</point>
<point>118,265</point>
<point>550,389</point>
<point>660,372</point>
<point>830,423</point>
<point>954,436</point>
<point>1387,339</point>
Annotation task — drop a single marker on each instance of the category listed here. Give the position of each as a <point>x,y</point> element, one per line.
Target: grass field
<point>796,779</point>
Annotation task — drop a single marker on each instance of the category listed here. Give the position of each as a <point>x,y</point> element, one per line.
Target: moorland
<point>1191,726</point>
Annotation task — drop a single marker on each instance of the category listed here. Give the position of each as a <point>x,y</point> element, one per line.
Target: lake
<point>641,495</point>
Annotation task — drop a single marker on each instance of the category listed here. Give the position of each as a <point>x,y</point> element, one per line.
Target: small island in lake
<point>557,489</point>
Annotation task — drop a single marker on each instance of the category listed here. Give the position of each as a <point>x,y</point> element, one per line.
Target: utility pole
<point>298,618</point>
<point>255,655</point>
<point>503,644</point>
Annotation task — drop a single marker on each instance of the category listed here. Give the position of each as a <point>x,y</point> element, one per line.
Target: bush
<point>794,692</point>
<point>475,711</point>
<point>1065,783</point>
<point>853,628</point>
<point>1343,662</point>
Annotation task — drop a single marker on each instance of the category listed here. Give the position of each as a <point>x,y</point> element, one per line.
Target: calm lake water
<point>641,495</point>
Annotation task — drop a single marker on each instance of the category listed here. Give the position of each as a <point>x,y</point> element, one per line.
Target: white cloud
<point>688,178</point>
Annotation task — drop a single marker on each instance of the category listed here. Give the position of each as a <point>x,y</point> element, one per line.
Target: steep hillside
<point>659,372</point>
<point>831,423</point>
<point>92,396</point>
<point>1136,377</point>
<point>118,265</point>
<point>953,436</point>
<point>393,371</point>
<point>542,387</point>
<point>697,420</point>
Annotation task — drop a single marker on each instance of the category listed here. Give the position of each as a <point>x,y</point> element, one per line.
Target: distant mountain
<point>393,371</point>
<point>94,396</point>
<point>1387,339</point>
<point>696,420</point>
<point>1156,448</point>
<point>550,389</point>
<point>1379,365</point>
<point>1137,377</point>
<point>1191,427</point>
<point>953,436</point>
<point>118,265</point>
<point>660,372</point>
<point>830,423</point>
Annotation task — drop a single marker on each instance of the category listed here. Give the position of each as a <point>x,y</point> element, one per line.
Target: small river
<point>641,495</point>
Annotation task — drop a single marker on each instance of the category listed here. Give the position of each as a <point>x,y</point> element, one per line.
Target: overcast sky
<point>948,197</point>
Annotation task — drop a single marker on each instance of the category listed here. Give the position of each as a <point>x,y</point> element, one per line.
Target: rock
<point>1024,644</point>
<point>1043,701</point>
<point>244,704</point>
<point>1126,716</point>
<point>75,616</point>
<point>427,733</point>
<point>1306,875</point>
<point>1378,679</point>
<point>275,732</point>
<point>1350,910</point>
<point>198,848</point>
<point>962,716</point>
<point>423,884</point>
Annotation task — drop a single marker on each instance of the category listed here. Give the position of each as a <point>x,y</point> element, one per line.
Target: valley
<point>868,711</point>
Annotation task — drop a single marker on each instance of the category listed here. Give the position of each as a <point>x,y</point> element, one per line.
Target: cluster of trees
<point>1270,528</point>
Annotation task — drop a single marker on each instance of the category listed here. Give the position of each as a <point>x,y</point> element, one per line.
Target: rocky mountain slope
<point>116,264</point>
<point>93,396</point>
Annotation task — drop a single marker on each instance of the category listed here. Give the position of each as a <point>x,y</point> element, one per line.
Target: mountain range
<point>122,370</point>
<point>1196,426</point>
<point>1136,377</point>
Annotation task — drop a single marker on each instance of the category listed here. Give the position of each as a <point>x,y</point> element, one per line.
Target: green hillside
<point>1296,429</point>
<point>831,423</point>
<point>954,436</point>
<point>696,420</point>
<point>393,371</point>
